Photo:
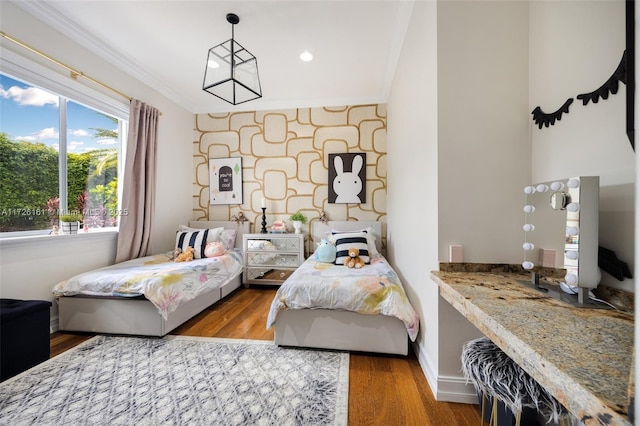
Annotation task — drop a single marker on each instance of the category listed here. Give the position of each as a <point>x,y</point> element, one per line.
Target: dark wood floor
<point>383,390</point>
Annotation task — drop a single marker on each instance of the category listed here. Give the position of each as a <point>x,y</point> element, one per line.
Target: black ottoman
<point>24,335</point>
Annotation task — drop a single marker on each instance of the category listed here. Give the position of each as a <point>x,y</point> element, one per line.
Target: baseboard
<point>54,324</point>
<point>445,388</point>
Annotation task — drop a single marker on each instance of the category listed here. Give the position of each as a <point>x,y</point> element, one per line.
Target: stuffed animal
<point>213,249</point>
<point>326,252</point>
<point>185,256</point>
<point>354,260</point>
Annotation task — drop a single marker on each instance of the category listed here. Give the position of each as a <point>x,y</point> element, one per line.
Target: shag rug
<point>176,380</point>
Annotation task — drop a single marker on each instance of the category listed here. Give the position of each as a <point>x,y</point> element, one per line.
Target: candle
<point>262,205</point>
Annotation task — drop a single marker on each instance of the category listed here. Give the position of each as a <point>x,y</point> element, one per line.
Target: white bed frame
<point>341,330</point>
<point>117,315</point>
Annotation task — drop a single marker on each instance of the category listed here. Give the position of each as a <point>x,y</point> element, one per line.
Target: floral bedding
<point>165,283</point>
<point>372,289</point>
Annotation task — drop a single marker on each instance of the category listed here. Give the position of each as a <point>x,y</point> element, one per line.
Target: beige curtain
<point>139,183</point>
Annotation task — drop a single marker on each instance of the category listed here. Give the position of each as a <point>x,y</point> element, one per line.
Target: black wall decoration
<point>625,73</point>
<point>542,118</point>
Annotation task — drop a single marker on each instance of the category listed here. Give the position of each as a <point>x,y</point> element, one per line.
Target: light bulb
<point>557,186</point>
<point>528,246</point>
<point>529,208</point>
<point>528,227</point>
<point>571,279</point>
<point>572,231</point>
<point>527,265</point>
<point>573,183</point>
<point>573,207</point>
<point>212,64</point>
<point>542,188</point>
<point>529,189</point>
<point>571,254</point>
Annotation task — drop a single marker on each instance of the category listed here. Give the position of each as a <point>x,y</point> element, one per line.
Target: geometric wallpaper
<point>285,157</point>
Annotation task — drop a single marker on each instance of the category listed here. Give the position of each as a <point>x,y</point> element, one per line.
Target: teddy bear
<point>186,255</point>
<point>354,260</point>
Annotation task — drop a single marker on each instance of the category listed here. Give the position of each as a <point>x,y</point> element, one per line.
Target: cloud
<point>78,132</point>
<point>48,133</point>
<point>72,146</point>
<point>31,96</point>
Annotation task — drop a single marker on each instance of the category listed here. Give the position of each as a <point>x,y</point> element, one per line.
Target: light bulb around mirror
<point>572,231</point>
<point>573,207</point>
<point>529,208</point>
<point>528,227</point>
<point>542,188</point>
<point>571,279</point>
<point>528,246</point>
<point>571,254</point>
<point>573,183</point>
<point>556,186</point>
<point>529,190</point>
<point>527,265</point>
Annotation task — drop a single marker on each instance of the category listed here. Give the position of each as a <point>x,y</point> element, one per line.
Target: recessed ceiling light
<point>306,56</point>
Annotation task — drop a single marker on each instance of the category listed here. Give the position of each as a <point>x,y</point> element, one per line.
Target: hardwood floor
<point>383,390</point>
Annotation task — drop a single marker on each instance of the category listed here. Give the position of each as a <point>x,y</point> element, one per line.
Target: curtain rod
<point>74,73</point>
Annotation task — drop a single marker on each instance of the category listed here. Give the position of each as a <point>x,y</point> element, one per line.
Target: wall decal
<point>347,178</point>
<point>610,86</point>
<point>541,118</point>
<point>225,180</point>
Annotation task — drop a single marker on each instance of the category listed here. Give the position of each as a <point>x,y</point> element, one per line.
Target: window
<point>57,155</point>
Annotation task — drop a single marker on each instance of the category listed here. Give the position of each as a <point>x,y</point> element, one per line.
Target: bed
<point>383,323</point>
<point>125,311</point>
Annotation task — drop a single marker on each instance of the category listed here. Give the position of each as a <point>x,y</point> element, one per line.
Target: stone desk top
<point>582,356</point>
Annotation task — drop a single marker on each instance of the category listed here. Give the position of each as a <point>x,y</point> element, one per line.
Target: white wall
<point>29,269</point>
<point>459,106</point>
<point>412,175</point>
<point>575,47</point>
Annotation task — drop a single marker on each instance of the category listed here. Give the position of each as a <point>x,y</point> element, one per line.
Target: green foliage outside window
<point>29,185</point>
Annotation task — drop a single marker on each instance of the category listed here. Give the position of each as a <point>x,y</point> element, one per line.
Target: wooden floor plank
<point>384,390</point>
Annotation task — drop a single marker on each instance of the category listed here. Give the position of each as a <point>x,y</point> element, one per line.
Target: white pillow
<point>371,239</point>
<point>213,235</point>
<point>196,238</point>
<point>346,240</point>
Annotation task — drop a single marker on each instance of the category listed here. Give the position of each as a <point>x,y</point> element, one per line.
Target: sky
<point>30,114</point>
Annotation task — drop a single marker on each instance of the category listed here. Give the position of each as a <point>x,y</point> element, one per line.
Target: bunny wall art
<point>347,178</point>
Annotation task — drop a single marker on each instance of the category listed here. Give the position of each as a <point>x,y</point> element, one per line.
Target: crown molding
<point>56,20</point>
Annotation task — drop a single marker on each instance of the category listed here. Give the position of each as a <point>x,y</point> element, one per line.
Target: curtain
<point>139,183</point>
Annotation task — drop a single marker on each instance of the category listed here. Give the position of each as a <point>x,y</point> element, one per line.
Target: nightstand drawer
<point>265,258</point>
<point>279,244</point>
<point>268,275</point>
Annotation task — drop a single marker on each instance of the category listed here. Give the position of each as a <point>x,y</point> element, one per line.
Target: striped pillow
<point>195,239</point>
<point>346,240</point>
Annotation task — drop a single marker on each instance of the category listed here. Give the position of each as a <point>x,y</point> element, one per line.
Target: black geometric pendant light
<point>231,72</point>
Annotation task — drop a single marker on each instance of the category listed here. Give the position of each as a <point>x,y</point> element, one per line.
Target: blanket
<point>372,289</point>
<point>165,283</point>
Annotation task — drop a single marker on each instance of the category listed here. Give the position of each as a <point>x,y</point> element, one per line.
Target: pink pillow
<point>213,249</point>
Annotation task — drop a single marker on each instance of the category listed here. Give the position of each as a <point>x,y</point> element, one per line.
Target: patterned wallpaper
<point>285,160</point>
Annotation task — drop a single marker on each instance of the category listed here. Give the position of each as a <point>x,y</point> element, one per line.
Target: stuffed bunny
<point>347,185</point>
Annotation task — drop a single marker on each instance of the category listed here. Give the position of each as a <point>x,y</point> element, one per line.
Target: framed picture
<point>225,180</point>
<point>347,178</point>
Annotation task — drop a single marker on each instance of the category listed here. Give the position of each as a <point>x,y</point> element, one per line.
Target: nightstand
<point>269,259</point>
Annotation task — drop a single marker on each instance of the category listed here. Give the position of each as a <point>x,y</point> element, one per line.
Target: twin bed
<point>321,305</point>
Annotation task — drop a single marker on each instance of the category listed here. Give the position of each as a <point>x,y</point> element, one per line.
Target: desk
<point>581,356</point>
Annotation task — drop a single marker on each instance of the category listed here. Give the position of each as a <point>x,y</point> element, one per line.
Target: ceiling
<point>164,43</point>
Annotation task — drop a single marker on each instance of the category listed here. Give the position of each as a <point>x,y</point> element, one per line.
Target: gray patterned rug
<point>111,380</point>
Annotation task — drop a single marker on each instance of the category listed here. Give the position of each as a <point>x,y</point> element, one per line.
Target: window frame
<point>68,89</point>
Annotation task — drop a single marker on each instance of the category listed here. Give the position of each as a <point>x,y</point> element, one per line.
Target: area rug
<point>114,380</point>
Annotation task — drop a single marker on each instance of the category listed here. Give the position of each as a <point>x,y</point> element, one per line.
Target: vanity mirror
<point>561,231</point>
